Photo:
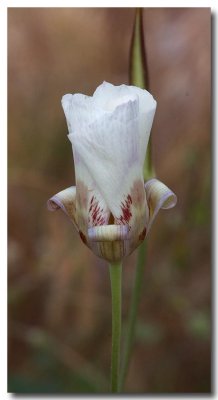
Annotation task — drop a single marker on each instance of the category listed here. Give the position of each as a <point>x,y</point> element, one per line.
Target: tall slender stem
<point>116,283</point>
<point>138,77</point>
<point>135,298</point>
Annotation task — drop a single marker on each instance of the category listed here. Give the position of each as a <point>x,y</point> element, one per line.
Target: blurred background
<point>59,312</point>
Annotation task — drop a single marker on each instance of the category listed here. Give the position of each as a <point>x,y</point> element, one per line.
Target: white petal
<point>147,108</point>
<point>108,233</point>
<point>158,196</point>
<point>66,201</point>
<point>146,101</point>
<point>109,96</point>
<point>91,208</point>
<point>80,111</point>
<point>110,151</point>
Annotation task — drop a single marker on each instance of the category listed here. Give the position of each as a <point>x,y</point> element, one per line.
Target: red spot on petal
<point>126,213</point>
<point>91,204</point>
<point>129,199</point>
<point>126,210</point>
<point>96,216</point>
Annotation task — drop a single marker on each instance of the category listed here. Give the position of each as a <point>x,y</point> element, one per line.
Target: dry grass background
<point>59,293</point>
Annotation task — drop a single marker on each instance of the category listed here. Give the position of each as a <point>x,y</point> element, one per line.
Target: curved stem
<point>130,332</point>
<point>116,281</point>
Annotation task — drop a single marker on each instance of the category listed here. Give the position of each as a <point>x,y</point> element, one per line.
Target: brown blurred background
<point>59,293</point>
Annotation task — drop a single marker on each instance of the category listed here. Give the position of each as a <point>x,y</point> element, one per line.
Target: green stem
<point>116,281</point>
<point>138,77</point>
<point>130,332</point>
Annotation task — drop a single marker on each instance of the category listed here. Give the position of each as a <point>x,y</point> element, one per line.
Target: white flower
<point>111,206</point>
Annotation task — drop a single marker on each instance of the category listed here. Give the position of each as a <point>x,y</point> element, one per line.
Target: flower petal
<point>109,242</point>
<point>158,196</point>
<point>110,251</point>
<point>65,200</point>
<point>110,150</point>
<point>109,96</point>
<point>147,108</point>
<point>91,208</point>
<point>80,111</point>
<point>108,233</point>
